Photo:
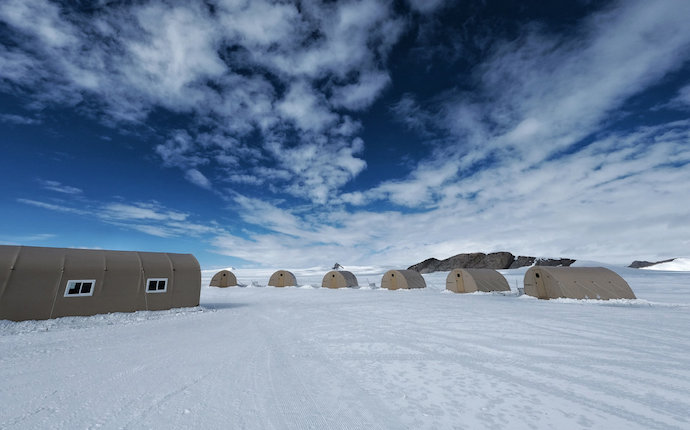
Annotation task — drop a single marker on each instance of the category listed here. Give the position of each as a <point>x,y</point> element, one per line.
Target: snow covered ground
<point>312,358</point>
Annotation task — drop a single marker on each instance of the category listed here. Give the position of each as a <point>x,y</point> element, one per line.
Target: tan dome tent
<point>402,279</point>
<point>222,279</point>
<point>576,283</point>
<point>42,283</point>
<point>339,279</point>
<point>282,278</point>
<point>471,280</point>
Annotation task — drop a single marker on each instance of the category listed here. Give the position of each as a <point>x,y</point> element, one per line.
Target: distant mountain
<point>479,260</point>
<point>681,264</point>
<point>640,264</point>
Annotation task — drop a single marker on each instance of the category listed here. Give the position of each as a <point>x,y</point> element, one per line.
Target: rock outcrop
<point>640,264</point>
<point>479,260</point>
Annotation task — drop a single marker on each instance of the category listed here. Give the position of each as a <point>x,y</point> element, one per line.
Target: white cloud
<point>611,206</point>
<point>426,6</point>
<point>306,108</point>
<point>140,211</point>
<point>541,94</point>
<point>360,95</point>
<point>174,55</point>
<point>18,119</point>
<point>42,18</point>
<point>408,111</point>
<point>683,97</point>
<point>512,172</point>
<point>53,207</point>
<point>150,218</point>
<point>197,178</point>
<point>240,69</point>
<point>60,188</point>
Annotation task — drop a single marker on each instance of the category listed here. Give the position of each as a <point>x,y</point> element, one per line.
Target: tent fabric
<point>576,283</point>
<point>224,278</point>
<point>471,280</point>
<point>339,279</point>
<point>282,278</point>
<point>33,281</point>
<point>402,279</point>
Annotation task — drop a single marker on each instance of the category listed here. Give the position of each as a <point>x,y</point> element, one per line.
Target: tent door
<point>459,284</point>
<point>541,289</point>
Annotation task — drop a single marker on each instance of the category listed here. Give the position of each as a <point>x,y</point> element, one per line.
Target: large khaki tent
<point>42,283</point>
<point>339,279</point>
<point>402,279</point>
<point>282,278</point>
<point>224,278</point>
<point>576,283</point>
<point>471,280</point>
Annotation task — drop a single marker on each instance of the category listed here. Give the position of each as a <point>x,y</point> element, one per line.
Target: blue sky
<point>296,134</point>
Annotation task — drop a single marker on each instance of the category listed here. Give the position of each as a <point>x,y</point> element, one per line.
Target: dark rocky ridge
<point>639,264</point>
<point>479,260</point>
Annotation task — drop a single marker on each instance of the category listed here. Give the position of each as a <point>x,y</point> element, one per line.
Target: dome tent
<point>339,279</point>
<point>576,283</point>
<point>402,279</point>
<point>222,279</point>
<point>282,278</point>
<point>471,280</point>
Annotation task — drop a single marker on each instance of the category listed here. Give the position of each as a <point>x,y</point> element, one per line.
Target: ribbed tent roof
<point>471,280</point>
<point>34,281</point>
<point>282,278</point>
<point>223,278</point>
<point>576,283</point>
<point>402,279</point>
<point>339,279</point>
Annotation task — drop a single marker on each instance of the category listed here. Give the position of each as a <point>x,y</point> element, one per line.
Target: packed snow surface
<point>313,358</point>
<point>678,265</point>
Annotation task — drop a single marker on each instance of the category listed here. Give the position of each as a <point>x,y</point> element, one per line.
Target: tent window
<point>157,285</point>
<point>79,287</point>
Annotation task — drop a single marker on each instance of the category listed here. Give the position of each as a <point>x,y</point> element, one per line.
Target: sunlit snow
<point>313,358</point>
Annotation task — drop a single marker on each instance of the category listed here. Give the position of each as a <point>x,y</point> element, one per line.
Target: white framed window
<point>156,285</point>
<point>80,287</point>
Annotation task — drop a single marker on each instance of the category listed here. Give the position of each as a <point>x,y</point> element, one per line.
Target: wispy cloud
<point>197,178</point>
<point>294,71</point>
<point>54,207</point>
<point>60,188</point>
<point>533,160</point>
<point>151,218</point>
<point>19,240</point>
<point>541,95</point>
<point>682,99</point>
<point>426,6</point>
<point>18,119</point>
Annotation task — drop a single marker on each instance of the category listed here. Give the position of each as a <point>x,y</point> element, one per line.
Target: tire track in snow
<point>311,382</point>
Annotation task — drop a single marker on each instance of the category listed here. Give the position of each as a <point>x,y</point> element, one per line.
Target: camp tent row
<point>543,282</point>
<point>43,283</point>
<point>284,278</point>
<point>334,279</point>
